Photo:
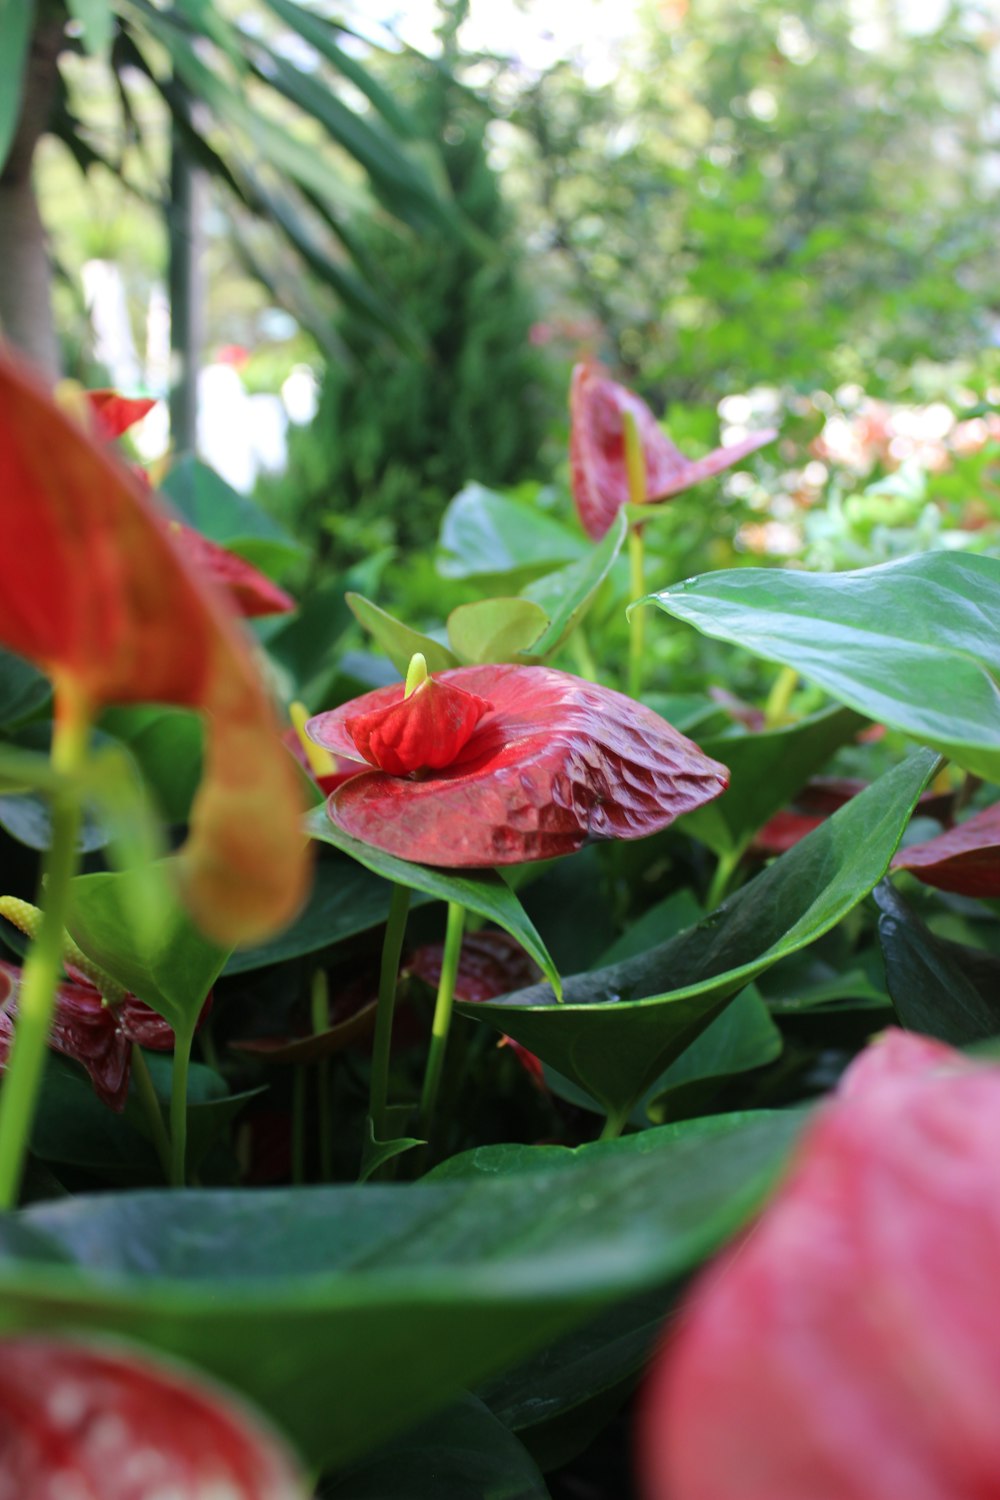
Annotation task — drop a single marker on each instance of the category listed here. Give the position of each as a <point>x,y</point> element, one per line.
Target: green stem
<point>583,657</point>
<point>299,1124</point>
<point>614,1125</point>
<point>43,966</point>
<point>637,623</point>
<point>151,1105</point>
<point>392,947</point>
<point>178,1105</point>
<point>442,1017</point>
<point>724,872</point>
<point>779,698</point>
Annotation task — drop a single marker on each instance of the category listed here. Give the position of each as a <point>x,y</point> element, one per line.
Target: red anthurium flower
<point>820,797</point>
<point>250,590</point>
<point>425,731</point>
<point>849,1346</point>
<point>96,592</point>
<point>83,1028</point>
<point>553,762</point>
<point>491,963</point>
<point>103,1421</point>
<point>114,414</point>
<point>597,450</point>
<point>966,859</point>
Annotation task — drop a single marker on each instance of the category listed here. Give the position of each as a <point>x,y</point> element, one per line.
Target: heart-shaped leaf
<point>622,1026</point>
<point>489,536</point>
<point>914,643</point>
<point>349,1313</point>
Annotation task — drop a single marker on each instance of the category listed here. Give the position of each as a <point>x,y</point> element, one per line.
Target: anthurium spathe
<point>106,1421</point>
<point>849,1346</point>
<point>94,590</point>
<point>966,859</point>
<point>598,464</point>
<point>83,1028</point>
<point>540,762</point>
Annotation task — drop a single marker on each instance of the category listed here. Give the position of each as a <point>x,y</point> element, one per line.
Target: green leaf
<point>219,512</point>
<point>621,1026</point>
<point>375,1153</point>
<point>166,744</point>
<point>495,630</point>
<point>938,987</point>
<point>567,594</point>
<point>97,22</point>
<point>464,1451</point>
<point>349,1313</point>
<point>914,644</point>
<point>743,1037</point>
<point>17,19</point>
<point>167,962</point>
<point>345,899</point>
<point>24,692</point>
<point>397,640</point>
<point>484,892</point>
<point>765,771</point>
<point>487,536</point>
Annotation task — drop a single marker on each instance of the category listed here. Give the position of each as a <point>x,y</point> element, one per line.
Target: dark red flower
<point>252,592</point>
<point>425,731</point>
<point>114,414</point>
<point>966,859</point>
<point>821,796</point>
<point>849,1346</point>
<point>597,451</point>
<point>554,762</point>
<point>103,1421</point>
<point>83,1028</point>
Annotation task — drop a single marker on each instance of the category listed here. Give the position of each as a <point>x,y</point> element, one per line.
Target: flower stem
<point>442,1017</point>
<point>178,1105</point>
<point>43,966</point>
<point>392,947</point>
<point>614,1124</point>
<point>151,1106</point>
<point>637,623</point>
<point>779,698</point>
<point>724,872</point>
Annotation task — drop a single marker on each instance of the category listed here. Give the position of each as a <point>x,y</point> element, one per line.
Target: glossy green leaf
<point>17,19</point>
<point>166,744</point>
<point>622,1026</point>
<point>219,512</point>
<point>397,640</point>
<point>464,1451</point>
<point>24,692</point>
<point>743,1037</point>
<point>375,1153</point>
<point>567,594</point>
<point>914,644</point>
<point>765,772</point>
<point>495,630</point>
<point>938,987</point>
<point>349,1313</point>
<point>97,23</point>
<point>26,817</point>
<point>345,899</point>
<point>484,892</point>
<point>167,962</point>
<point>485,535</point>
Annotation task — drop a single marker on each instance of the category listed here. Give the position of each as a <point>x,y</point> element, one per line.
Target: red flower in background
<point>114,414</point>
<point>96,592</point>
<point>101,1421</point>
<point>598,469</point>
<point>966,859</point>
<point>538,762</point>
<point>849,1346</point>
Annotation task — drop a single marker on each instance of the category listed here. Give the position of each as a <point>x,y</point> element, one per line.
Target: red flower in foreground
<point>597,451</point>
<point>539,762</point>
<point>849,1347</point>
<point>95,591</point>
<point>95,1421</point>
<point>966,859</point>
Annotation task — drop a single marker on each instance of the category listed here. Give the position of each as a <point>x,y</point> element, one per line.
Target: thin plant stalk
<point>780,697</point>
<point>392,947</point>
<point>43,965</point>
<point>614,1124</point>
<point>722,878</point>
<point>635,468</point>
<point>151,1107</point>
<point>183,1037</point>
<point>320,1015</point>
<point>442,1017</point>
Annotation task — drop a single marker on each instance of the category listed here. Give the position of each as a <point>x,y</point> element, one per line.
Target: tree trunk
<point>25,273</point>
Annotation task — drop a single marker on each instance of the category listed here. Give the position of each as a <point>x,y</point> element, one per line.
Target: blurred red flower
<point>849,1346</point>
<point>598,469</point>
<point>538,762</point>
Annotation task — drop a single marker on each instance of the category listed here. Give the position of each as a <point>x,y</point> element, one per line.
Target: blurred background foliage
<point>752,210</point>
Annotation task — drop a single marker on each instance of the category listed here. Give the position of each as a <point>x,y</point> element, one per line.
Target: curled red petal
<point>102,1421</point>
<point>966,859</point>
<point>252,592</point>
<point>424,732</point>
<point>114,414</point>
<point>95,591</point>
<point>850,1345</point>
<point>598,470</point>
<point>83,1029</point>
<point>556,762</point>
